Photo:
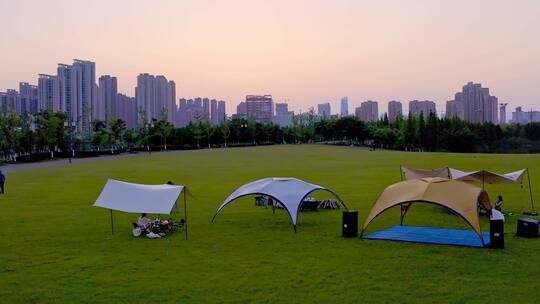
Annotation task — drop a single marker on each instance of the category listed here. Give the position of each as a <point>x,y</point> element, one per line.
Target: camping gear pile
<point>158,227</point>
<point>329,204</point>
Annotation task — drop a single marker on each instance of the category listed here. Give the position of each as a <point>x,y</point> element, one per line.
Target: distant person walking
<point>2,182</point>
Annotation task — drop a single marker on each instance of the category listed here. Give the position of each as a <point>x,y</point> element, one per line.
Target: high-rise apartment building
<point>281,108</point>
<point>206,110</point>
<point>455,108</point>
<point>106,108</point>
<point>426,107</point>
<point>126,109</point>
<point>78,93</point>
<point>502,113</point>
<point>9,102</point>
<point>49,93</point>
<point>368,111</point>
<point>214,112</point>
<point>283,117</point>
<point>260,108</point>
<point>344,106</point>
<point>222,116</point>
<point>395,110</point>
<point>28,98</point>
<point>478,104</point>
<point>156,98</point>
<point>241,110</point>
<point>323,109</point>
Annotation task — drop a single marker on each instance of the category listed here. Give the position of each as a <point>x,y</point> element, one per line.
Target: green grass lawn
<point>55,247</point>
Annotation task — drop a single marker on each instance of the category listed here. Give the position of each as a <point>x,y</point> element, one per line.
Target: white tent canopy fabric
<point>487,176</point>
<point>138,198</point>
<point>289,192</point>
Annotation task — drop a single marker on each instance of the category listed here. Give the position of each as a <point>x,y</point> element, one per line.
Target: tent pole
<point>530,189</point>
<point>112,223</point>
<point>185,212</point>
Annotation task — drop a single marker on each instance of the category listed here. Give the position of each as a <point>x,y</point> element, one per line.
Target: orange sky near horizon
<point>306,52</point>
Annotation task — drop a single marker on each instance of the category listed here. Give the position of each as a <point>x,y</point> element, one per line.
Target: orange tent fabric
<point>457,196</point>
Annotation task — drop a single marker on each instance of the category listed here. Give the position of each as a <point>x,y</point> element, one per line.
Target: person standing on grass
<point>2,182</point>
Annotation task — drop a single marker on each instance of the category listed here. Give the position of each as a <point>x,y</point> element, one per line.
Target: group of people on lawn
<point>152,228</point>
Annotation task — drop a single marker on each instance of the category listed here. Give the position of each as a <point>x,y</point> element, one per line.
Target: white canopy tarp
<point>138,198</point>
<point>485,176</point>
<point>289,192</point>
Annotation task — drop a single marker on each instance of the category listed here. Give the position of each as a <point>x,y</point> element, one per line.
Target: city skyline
<point>321,60</point>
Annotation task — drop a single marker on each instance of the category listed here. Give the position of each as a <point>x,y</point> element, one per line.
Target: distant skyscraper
<point>9,102</point>
<point>214,118</point>
<point>156,98</point>
<point>170,101</point>
<point>281,108</point>
<point>416,107</point>
<point>368,111</point>
<point>126,109</point>
<point>395,109</point>
<point>478,104</point>
<point>522,117</point>
<point>206,110</point>
<point>28,98</point>
<point>344,106</point>
<point>260,108</point>
<point>87,92</point>
<point>283,116</point>
<point>502,113</point>
<point>221,112</point>
<point>241,110</point>
<point>49,93</point>
<point>106,108</point>
<point>78,92</point>
<point>323,109</point>
<point>144,96</point>
<point>455,108</point>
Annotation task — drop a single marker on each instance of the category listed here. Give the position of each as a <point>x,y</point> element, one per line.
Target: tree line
<point>48,132</point>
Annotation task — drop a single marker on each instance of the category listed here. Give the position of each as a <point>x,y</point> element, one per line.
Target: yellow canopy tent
<point>457,196</point>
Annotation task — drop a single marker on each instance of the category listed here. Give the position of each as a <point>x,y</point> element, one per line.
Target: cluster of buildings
<point>200,110</point>
<point>75,90</point>
<point>474,103</point>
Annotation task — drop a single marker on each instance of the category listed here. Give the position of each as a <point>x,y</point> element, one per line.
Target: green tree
<point>50,129</point>
<point>225,131</point>
<point>432,131</point>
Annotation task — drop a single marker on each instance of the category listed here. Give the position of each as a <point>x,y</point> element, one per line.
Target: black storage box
<point>350,223</point>
<point>496,234</point>
<point>527,227</point>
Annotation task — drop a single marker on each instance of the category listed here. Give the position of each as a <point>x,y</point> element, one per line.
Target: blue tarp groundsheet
<point>430,235</point>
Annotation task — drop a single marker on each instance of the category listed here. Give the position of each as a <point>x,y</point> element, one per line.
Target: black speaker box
<point>496,234</point>
<point>350,223</point>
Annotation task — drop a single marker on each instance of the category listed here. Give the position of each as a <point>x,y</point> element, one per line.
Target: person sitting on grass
<point>144,221</point>
<point>2,181</point>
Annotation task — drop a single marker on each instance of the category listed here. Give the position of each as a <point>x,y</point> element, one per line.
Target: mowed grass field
<point>56,248</point>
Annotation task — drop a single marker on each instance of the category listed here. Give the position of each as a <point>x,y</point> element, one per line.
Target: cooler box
<point>527,227</point>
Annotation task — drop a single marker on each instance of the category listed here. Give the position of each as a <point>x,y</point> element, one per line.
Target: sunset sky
<point>306,52</point>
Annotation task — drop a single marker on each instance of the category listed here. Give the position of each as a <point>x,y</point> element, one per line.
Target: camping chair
<point>177,226</point>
